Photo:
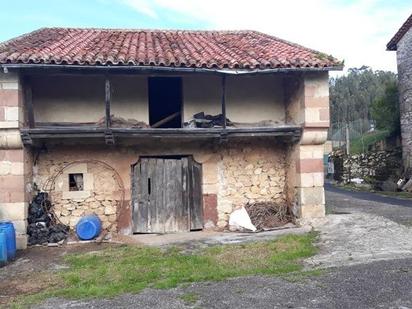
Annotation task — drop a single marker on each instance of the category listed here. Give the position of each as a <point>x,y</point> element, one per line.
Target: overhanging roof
<point>225,51</point>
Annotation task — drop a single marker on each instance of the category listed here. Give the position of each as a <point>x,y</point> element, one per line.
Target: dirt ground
<point>30,272</point>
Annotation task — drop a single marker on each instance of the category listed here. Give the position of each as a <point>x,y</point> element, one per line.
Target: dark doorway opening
<point>165,102</point>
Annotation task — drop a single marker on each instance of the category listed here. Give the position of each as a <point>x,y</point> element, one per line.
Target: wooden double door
<point>167,195</point>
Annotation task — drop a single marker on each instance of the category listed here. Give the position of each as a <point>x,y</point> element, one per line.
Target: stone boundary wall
<point>378,165</point>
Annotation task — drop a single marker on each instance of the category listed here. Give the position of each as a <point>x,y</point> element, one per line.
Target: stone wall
<point>102,194</point>
<point>370,166</point>
<point>249,173</point>
<point>233,175</point>
<point>404,58</point>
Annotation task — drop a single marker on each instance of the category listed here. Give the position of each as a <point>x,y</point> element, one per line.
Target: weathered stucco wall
<point>404,57</point>
<point>234,175</point>
<point>262,94</point>
<point>84,96</point>
<point>81,98</point>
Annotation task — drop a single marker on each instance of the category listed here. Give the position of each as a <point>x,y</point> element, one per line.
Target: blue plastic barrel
<point>3,249</point>
<point>88,227</point>
<point>7,227</point>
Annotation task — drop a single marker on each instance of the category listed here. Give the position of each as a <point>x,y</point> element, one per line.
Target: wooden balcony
<point>31,136</point>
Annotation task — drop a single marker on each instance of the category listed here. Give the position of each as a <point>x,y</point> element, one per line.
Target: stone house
<point>402,44</point>
<point>161,131</point>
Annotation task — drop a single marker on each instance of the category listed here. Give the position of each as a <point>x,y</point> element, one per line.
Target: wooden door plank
<point>185,212</point>
<point>135,209</point>
<point>139,202</point>
<point>158,193</point>
<point>153,221</point>
<point>196,204</point>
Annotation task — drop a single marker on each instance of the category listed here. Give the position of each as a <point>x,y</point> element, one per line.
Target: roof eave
<point>159,69</point>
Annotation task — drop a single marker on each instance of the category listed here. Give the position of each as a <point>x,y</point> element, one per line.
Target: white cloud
<point>355,31</point>
<point>142,6</point>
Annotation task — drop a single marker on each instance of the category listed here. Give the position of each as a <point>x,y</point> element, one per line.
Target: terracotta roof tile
<point>172,48</point>
<point>392,45</point>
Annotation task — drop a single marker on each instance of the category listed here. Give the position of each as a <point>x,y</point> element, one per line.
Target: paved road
<point>345,201</point>
<point>379,284</point>
<point>368,196</point>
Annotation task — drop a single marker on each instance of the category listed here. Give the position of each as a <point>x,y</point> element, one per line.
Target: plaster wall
<point>81,98</point>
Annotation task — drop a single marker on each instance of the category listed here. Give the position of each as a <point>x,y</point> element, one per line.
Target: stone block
<point>312,211</point>
<point>20,226</point>
<point>316,136</point>
<point>310,180</point>
<point>13,211</point>
<point>324,114</point>
<point>21,242</point>
<point>11,113</point>
<point>311,196</point>
<point>210,173</point>
<point>9,97</point>
<point>76,195</point>
<point>9,124</point>
<point>309,166</point>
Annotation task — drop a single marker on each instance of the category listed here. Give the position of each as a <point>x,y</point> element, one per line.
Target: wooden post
<point>107,101</point>
<point>224,100</point>
<point>28,102</point>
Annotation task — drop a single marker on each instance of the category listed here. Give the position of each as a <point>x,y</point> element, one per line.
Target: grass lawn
<point>130,269</point>
<point>362,143</point>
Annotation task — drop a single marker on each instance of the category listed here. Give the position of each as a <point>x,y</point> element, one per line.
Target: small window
<point>76,182</point>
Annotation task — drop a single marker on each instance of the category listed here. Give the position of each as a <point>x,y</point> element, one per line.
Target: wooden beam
<point>107,101</point>
<point>28,102</point>
<point>224,100</point>
<point>165,120</point>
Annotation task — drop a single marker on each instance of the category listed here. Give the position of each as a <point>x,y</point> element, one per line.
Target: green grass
<point>130,269</point>
<point>190,298</point>
<point>362,143</point>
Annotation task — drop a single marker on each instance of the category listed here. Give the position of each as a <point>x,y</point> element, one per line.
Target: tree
<point>385,109</point>
<point>352,96</point>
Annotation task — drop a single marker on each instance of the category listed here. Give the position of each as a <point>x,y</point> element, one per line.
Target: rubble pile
<point>268,215</point>
<point>120,122</point>
<point>42,227</point>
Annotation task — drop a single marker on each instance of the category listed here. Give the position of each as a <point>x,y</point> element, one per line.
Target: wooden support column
<point>224,100</point>
<point>109,138</point>
<point>28,102</point>
<point>107,101</point>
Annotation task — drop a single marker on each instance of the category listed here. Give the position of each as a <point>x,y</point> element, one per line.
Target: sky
<point>355,31</point>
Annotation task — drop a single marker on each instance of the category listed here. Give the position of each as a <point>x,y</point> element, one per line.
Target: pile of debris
<point>202,120</point>
<point>119,122</point>
<point>42,226</point>
<point>268,215</point>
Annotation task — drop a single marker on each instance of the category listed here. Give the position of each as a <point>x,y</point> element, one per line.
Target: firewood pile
<point>42,225</point>
<point>268,215</point>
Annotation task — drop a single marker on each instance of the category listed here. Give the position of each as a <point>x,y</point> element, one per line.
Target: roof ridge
<point>149,29</point>
<point>22,36</point>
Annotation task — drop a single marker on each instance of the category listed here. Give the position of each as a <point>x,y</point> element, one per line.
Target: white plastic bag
<point>240,219</point>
